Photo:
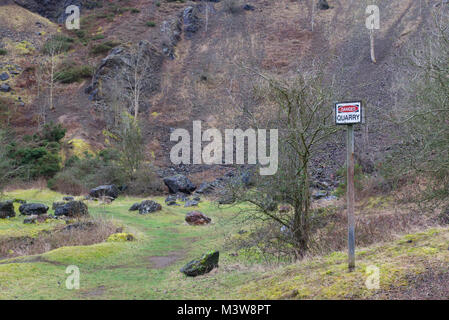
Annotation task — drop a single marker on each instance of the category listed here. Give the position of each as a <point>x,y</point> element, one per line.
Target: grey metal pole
<point>350,196</point>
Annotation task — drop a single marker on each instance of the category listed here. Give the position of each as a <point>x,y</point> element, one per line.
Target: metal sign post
<point>350,196</point>
<point>349,113</point>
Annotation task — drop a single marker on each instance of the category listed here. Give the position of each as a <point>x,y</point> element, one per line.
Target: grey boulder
<point>7,210</point>
<point>29,209</point>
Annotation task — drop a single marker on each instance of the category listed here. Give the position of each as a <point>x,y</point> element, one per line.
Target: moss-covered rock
<point>204,265</point>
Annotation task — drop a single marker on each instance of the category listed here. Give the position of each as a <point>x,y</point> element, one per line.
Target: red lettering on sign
<point>348,109</point>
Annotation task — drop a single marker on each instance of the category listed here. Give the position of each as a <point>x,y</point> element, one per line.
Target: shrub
<point>98,36</point>
<point>3,52</point>
<point>135,10</point>
<point>151,24</point>
<point>73,74</point>
<point>103,47</point>
<point>145,182</point>
<point>80,175</point>
<point>58,43</point>
<point>38,155</point>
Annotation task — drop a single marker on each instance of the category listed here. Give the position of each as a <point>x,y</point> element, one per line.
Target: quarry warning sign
<point>348,112</point>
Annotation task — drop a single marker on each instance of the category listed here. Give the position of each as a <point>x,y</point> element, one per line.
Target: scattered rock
<point>148,206</point>
<point>68,198</point>
<point>7,210</point>
<point>197,218</point>
<point>170,200</point>
<point>135,207</point>
<point>81,225</point>
<point>323,5</point>
<point>35,218</point>
<point>5,87</point>
<point>191,203</point>
<point>202,266</point>
<point>182,197</point>
<point>4,76</point>
<point>205,187</point>
<point>248,7</point>
<point>196,198</point>
<point>29,209</point>
<point>106,190</point>
<point>57,204</point>
<point>319,194</point>
<point>179,183</point>
<point>72,209</point>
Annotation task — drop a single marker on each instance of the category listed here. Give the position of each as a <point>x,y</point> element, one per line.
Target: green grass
<point>129,269</point>
<point>126,269</point>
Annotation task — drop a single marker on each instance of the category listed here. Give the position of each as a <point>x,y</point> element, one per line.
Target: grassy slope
<point>134,270</point>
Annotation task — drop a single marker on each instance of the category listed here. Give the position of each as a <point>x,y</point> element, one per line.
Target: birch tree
<point>138,79</point>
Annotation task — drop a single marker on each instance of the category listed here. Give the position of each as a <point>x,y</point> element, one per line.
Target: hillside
<point>202,81</point>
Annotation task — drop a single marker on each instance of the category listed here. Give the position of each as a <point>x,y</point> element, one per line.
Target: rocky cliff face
<point>51,9</point>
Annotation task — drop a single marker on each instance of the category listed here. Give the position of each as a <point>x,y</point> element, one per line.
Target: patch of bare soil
<point>430,285</point>
<point>160,262</point>
<point>96,292</point>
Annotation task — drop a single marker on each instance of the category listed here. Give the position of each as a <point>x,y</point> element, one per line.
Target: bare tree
<point>139,78</point>
<point>304,119</point>
<point>422,150</point>
<point>47,70</point>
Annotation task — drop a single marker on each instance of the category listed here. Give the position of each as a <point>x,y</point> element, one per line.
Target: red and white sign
<point>348,112</point>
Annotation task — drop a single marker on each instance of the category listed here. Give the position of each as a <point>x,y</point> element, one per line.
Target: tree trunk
<point>371,36</point>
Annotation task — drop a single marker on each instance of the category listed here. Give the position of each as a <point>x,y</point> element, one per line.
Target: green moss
<point>121,237</point>
<point>25,47</point>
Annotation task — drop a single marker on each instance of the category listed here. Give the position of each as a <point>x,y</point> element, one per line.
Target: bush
<point>38,155</point>
<point>73,74</point>
<point>103,47</point>
<point>98,36</point>
<point>145,182</point>
<point>151,24</point>
<point>3,52</point>
<point>80,175</point>
<point>135,10</point>
<point>58,43</point>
